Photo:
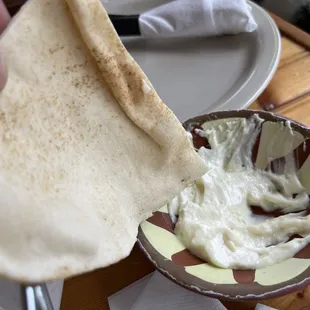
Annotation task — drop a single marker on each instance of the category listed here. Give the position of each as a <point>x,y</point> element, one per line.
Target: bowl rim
<point>266,116</point>
<point>144,243</point>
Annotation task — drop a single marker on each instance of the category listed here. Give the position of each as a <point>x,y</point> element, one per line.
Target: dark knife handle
<point>126,25</point>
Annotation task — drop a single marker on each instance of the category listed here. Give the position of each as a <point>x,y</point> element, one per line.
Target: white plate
<point>196,76</point>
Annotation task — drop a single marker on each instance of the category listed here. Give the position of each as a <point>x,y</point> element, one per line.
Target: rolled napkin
<point>189,18</point>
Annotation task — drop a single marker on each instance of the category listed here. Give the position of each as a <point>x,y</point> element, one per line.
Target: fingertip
<point>4,16</point>
<point>3,74</point>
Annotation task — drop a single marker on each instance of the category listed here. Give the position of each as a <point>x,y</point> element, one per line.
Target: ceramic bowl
<point>160,244</point>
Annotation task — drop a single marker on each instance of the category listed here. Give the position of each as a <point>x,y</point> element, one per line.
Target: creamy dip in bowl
<point>246,221</point>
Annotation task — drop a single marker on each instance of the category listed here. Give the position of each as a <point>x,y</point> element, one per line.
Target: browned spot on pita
<point>162,220</point>
<point>185,258</point>
<point>244,276</point>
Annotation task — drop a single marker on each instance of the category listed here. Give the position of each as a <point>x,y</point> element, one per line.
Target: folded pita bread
<point>87,148</point>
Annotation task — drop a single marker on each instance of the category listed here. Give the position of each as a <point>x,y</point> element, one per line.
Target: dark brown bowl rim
<point>143,242</point>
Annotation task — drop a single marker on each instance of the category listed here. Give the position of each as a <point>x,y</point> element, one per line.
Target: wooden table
<point>288,94</point>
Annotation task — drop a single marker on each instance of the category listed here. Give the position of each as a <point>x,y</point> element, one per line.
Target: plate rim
<point>234,102</point>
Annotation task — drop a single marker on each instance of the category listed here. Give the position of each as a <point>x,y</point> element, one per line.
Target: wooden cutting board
<point>288,94</point>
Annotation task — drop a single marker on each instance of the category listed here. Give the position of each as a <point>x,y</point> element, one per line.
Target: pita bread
<point>87,148</point>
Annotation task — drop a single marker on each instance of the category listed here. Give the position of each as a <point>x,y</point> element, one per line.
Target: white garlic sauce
<point>214,218</point>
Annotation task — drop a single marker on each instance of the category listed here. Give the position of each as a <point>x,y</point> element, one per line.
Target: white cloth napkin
<point>126,298</point>
<point>161,293</point>
<point>263,307</point>
<point>156,292</point>
<point>185,18</point>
